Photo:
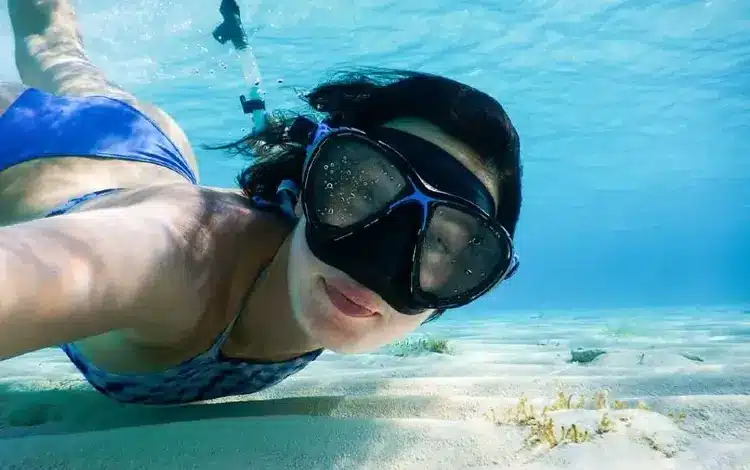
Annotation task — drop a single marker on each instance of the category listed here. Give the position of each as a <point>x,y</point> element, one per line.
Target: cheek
<point>301,257</point>
<point>300,268</point>
<point>304,270</point>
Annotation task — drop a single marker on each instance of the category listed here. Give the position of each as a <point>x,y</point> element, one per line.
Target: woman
<point>163,291</point>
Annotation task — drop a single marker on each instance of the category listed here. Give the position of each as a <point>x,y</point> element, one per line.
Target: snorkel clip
<point>231,29</point>
<point>248,106</point>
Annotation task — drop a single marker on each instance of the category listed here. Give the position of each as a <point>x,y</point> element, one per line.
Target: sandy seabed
<point>671,392</point>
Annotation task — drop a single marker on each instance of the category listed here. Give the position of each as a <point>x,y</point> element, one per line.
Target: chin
<point>327,325</point>
<point>343,334</point>
<point>334,342</point>
<point>340,340</point>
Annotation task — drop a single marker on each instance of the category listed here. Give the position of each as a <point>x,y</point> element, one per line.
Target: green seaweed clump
<point>542,428</point>
<point>543,432</point>
<point>421,345</point>
<point>677,416</point>
<point>605,425</point>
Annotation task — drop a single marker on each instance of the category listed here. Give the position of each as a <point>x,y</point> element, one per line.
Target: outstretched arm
<point>83,274</point>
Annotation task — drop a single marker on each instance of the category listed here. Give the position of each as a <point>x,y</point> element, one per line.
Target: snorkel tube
<point>231,29</point>
<point>254,103</point>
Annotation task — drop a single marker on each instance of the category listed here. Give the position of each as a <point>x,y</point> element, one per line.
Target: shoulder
<point>204,247</point>
<point>206,227</point>
<point>191,204</point>
<point>200,214</point>
<point>219,226</point>
<point>228,242</point>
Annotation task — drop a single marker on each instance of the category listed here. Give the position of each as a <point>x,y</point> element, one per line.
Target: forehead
<point>459,150</point>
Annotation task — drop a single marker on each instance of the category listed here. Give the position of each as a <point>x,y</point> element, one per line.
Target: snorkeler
<point>346,234</point>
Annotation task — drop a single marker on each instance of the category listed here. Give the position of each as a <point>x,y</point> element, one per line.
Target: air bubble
<point>468,272</point>
<point>329,186</point>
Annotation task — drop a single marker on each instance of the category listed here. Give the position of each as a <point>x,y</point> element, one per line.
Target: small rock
<point>692,357</point>
<point>584,356</point>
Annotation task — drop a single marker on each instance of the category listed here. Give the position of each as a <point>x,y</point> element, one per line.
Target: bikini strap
<point>72,203</point>
<point>222,337</point>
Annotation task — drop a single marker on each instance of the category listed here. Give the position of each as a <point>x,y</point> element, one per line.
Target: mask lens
<point>460,253</point>
<point>350,180</point>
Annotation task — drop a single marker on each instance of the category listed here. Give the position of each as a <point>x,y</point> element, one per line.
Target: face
<point>333,309</point>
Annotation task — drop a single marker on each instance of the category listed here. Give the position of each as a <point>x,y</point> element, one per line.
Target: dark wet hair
<point>369,98</point>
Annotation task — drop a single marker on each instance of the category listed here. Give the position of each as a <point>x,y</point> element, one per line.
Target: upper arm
<point>83,274</point>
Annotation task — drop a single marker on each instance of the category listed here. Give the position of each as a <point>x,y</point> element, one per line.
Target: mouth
<point>349,299</point>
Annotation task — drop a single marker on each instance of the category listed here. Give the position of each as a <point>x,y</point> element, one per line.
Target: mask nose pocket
<point>379,256</point>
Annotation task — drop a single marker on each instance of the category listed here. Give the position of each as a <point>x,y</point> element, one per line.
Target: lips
<point>349,299</point>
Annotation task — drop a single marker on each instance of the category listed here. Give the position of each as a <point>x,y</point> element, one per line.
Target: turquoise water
<point>634,119</point>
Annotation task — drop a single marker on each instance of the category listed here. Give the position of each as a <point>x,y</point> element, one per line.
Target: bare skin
<point>147,277</point>
<point>50,56</point>
<point>192,233</point>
